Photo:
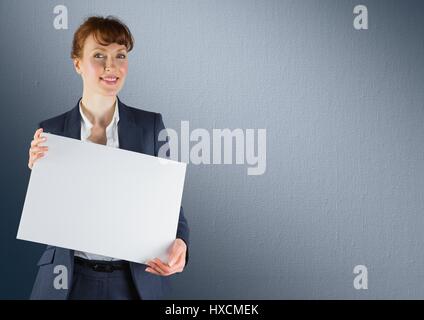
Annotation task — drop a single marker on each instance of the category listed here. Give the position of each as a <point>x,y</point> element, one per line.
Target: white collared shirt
<point>112,141</point>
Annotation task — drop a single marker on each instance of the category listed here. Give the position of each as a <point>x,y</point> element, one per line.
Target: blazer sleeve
<point>183,231</point>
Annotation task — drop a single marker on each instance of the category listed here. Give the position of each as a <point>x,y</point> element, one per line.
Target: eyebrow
<point>98,48</point>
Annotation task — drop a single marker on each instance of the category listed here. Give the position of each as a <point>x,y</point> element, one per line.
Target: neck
<point>98,109</point>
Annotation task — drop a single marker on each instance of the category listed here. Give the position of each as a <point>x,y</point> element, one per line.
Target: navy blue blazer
<point>138,131</point>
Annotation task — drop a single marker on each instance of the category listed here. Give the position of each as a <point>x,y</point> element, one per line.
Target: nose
<point>109,64</point>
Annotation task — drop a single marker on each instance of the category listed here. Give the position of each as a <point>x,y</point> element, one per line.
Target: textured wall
<point>344,116</point>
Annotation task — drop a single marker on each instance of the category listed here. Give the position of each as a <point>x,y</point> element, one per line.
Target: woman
<point>100,55</point>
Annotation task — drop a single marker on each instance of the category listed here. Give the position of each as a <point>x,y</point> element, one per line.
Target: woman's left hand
<point>177,259</point>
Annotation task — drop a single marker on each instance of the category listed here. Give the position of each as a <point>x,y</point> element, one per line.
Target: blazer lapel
<point>130,136</point>
<point>72,128</point>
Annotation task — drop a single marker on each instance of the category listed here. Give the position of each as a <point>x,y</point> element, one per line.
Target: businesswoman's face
<point>102,68</point>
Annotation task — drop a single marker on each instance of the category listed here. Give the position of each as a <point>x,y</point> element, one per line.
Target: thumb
<point>173,256</point>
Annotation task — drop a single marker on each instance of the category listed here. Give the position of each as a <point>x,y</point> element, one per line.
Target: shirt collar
<point>88,124</point>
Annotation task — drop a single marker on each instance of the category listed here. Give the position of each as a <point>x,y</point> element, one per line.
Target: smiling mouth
<point>110,80</point>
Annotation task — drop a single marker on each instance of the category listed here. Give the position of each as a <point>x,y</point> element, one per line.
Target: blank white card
<point>103,200</point>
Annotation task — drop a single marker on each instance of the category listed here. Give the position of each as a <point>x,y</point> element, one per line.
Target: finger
<point>34,158</point>
<point>37,133</point>
<point>155,268</point>
<point>148,269</point>
<point>164,269</point>
<point>35,150</point>
<point>38,155</point>
<point>169,270</point>
<point>37,141</point>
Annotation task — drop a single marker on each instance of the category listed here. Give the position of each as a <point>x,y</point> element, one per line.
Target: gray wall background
<point>344,116</point>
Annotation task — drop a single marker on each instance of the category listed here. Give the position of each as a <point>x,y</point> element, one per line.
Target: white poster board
<point>103,200</point>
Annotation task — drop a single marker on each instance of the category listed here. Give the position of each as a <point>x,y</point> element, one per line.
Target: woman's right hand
<point>37,151</point>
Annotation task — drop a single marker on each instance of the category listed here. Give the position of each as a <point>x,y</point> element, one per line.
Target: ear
<point>77,65</point>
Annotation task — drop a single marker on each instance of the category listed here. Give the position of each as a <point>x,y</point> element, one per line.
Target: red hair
<point>105,31</point>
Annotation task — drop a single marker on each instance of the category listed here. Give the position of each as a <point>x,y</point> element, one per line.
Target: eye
<point>122,56</point>
<point>98,55</point>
